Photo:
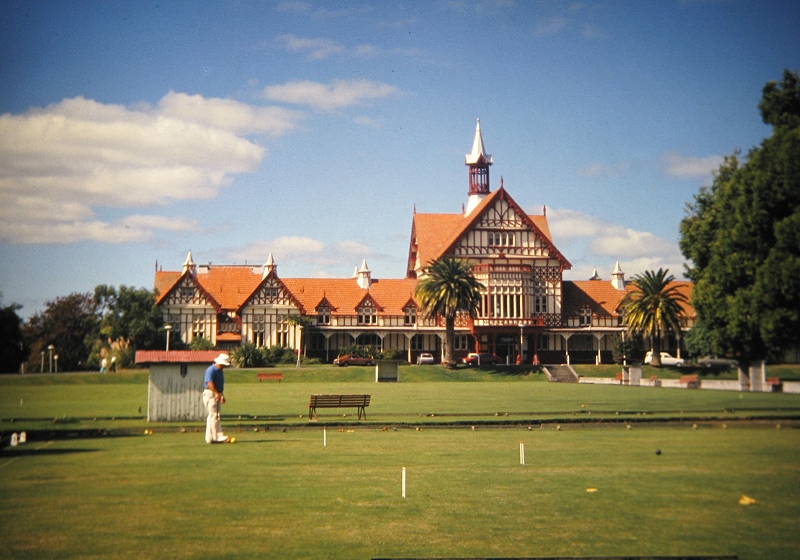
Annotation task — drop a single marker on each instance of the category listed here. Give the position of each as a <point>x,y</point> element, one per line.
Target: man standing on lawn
<point>213,397</point>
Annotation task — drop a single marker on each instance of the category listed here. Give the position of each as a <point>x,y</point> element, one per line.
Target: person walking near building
<point>213,397</point>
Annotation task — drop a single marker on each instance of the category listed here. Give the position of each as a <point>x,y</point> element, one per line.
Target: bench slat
<point>338,401</point>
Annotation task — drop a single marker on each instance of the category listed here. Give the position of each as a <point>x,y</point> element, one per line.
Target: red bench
<point>264,376</point>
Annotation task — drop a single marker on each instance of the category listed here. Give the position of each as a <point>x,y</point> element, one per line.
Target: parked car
<point>714,362</point>
<point>481,359</point>
<point>352,360</point>
<point>666,359</point>
<point>425,358</point>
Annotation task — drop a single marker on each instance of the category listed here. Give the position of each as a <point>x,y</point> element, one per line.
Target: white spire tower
<point>478,162</point>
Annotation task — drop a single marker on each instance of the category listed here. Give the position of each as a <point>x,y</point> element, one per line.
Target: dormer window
<point>367,314</point>
<point>324,315</point>
<point>410,315</point>
<point>585,317</point>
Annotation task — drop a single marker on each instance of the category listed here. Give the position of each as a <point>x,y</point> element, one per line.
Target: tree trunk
<point>655,344</point>
<point>450,333</point>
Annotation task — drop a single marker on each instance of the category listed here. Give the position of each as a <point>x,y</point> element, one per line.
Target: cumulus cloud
<point>329,97</point>
<point>600,243</point>
<point>300,250</point>
<point>58,164</point>
<point>676,165</point>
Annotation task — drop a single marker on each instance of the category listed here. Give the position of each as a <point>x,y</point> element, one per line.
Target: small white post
<point>522,453</point>
<point>324,437</point>
<point>15,440</point>
<point>404,482</point>
<point>23,437</point>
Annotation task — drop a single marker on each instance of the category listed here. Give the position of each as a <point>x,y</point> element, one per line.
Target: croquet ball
<point>658,452</point>
<point>233,440</point>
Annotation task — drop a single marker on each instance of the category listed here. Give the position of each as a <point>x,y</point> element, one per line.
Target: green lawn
<point>278,493</point>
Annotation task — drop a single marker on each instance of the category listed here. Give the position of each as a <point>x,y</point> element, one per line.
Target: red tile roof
<point>604,299</point>
<point>176,356</point>
<point>436,234</point>
<point>344,294</point>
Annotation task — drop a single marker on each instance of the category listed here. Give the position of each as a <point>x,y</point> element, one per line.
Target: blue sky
<point>133,132</point>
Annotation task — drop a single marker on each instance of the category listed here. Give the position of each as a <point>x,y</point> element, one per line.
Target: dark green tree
<point>13,349</point>
<point>742,236</point>
<point>130,314</point>
<point>447,289</point>
<point>70,324</point>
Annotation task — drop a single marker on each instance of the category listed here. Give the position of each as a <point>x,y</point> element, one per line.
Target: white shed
<point>175,388</point>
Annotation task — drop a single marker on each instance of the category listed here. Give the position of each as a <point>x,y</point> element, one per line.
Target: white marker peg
<point>324,437</point>
<point>23,437</point>
<point>404,482</point>
<point>522,453</point>
<point>15,441</point>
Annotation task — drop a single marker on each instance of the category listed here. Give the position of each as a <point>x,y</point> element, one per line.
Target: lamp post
<point>42,368</point>
<point>168,328</point>
<point>51,348</point>
<point>299,345</point>
<point>56,358</point>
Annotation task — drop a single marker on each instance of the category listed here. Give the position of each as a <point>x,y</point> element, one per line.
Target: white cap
<point>223,360</point>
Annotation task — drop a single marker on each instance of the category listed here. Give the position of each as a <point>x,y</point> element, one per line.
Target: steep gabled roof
<point>604,299</point>
<point>437,234</point>
<point>344,295</point>
<point>271,277</point>
<point>166,282</point>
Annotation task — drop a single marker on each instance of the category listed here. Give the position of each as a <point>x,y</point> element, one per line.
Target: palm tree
<point>653,308</point>
<point>448,288</point>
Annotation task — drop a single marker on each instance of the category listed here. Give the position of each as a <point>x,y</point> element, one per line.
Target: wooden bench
<point>690,381</point>
<point>775,384</point>
<point>338,401</point>
<point>270,376</point>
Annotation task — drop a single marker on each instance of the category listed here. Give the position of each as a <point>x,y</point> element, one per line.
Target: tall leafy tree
<point>13,349</point>
<point>447,289</point>
<point>130,314</point>
<point>70,324</point>
<point>652,309</point>
<point>742,236</point>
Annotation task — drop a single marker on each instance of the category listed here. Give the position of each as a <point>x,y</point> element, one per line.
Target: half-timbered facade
<point>528,311</point>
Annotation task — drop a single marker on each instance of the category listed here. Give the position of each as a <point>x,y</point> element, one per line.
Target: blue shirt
<point>215,375</point>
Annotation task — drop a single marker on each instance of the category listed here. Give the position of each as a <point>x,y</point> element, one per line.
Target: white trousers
<point>213,427</point>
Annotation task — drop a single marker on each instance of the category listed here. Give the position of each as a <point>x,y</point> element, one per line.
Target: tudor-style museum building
<point>527,308</point>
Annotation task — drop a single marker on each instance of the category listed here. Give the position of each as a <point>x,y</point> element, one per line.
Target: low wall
<point>600,380</point>
<point>720,384</point>
<point>791,386</point>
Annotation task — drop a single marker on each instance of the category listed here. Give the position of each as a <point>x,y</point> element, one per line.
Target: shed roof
<point>176,356</point>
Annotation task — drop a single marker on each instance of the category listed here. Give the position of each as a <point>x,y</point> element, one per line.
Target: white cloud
<point>369,121</point>
<point>329,97</point>
<point>676,165</point>
<point>60,163</point>
<point>297,250</point>
<point>315,49</point>
<point>599,243</point>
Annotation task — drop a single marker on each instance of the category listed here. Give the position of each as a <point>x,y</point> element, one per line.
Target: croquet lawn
<point>583,491</point>
<point>90,484</point>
